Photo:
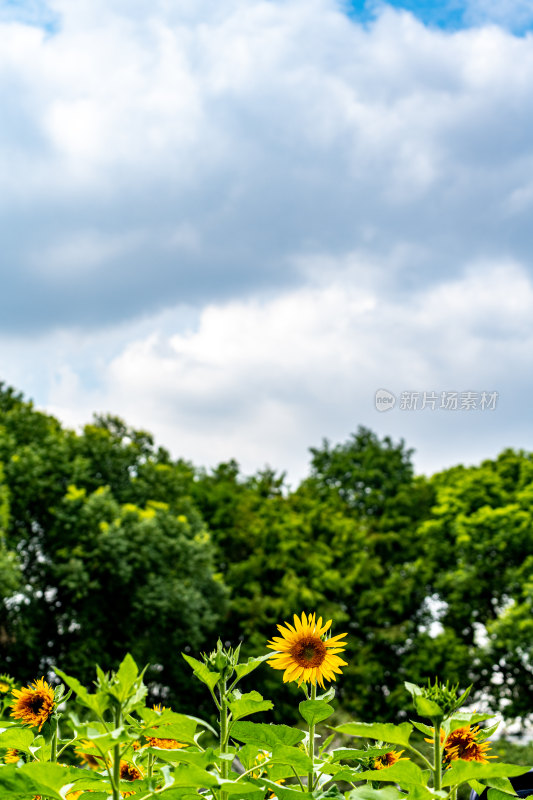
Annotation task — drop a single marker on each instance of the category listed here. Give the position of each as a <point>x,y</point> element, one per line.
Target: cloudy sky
<point>231,222</point>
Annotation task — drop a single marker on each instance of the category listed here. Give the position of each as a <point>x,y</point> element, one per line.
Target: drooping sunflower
<point>388,759</point>
<point>464,743</point>
<point>33,704</point>
<point>305,653</point>
<point>92,759</point>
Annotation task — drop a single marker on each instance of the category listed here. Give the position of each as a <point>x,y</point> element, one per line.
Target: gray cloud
<point>151,158</point>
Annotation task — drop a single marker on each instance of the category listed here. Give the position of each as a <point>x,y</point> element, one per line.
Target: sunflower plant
<point>107,743</point>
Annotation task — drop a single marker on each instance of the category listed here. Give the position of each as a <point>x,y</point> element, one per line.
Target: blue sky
<point>233,222</point>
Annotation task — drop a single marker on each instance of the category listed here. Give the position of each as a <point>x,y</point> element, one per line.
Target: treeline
<point>109,545</point>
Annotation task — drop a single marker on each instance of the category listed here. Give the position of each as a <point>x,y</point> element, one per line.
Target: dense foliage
<point>109,545</point>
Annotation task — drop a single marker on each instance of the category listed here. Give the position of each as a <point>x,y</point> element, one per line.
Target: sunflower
<point>464,744</point>
<point>129,772</point>
<point>388,759</point>
<point>92,760</point>
<point>12,756</point>
<point>33,704</point>
<point>7,684</point>
<point>304,652</point>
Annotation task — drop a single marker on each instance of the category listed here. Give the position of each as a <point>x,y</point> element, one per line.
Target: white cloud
<point>232,222</point>
<point>263,381</point>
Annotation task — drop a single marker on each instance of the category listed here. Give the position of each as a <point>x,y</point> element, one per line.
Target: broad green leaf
<point>127,674</point>
<point>97,702</point>
<point>191,775</point>
<point>347,754</point>
<point>202,673</point>
<point>283,754</point>
<point>368,793</point>
<point>283,792</point>
<point>241,787</point>
<point>478,787</point>
<point>244,669</point>
<point>315,711</point>
<point>385,732</point>
<point>403,772</point>
<point>18,738</point>
<point>424,793</point>
<point>264,735</point>
<point>251,703</point>
<point>461,771</point>
<point>502,784</point>
<point>182,729</point>
<point>427,708</point>
<point>425,729</point>
<point>496,794</point>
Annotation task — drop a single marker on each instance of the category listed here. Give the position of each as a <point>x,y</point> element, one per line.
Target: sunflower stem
<point>224,771</point>
<point>116,757</point>
<point>311,774</point>
<point>437,770</point>
<point>53,744</point>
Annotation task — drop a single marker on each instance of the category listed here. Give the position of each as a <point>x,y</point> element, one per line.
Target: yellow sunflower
<point>388,759</point>
<point>12,756</point>
<point>304,652</point>
<point>33,704</point>
<point>6,684</point>
<point>463,743</point>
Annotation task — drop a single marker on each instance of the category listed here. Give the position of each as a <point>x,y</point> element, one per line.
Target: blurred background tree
<point>107,544</point>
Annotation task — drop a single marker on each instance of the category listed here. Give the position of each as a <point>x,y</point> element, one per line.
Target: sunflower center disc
<point>309,652</point>
<point>36,704</point>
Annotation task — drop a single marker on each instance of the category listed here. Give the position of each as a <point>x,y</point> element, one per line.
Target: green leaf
<point>427,708</point>
<point>18,738</point>
<point>283,754</point>
<point>264,735</point>
<point>368,793</point>
<point>202,673</point>
<point>496,794</point>
<point>425,729</point>
<point>502,784</point>
<point>403,772</point>
<point>246,704</point>
<point>461,771</point>
<point>283,792</point>
<point>244,669</point>
<point>181,729</point>
<point>97,702</point>
<point>191,775</point>
<point>385,732</point>
<point>315,711</point>
<point>349,754</point>
<point>127,674</point>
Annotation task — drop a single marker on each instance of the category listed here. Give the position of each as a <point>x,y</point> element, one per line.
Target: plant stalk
<point>311,774</point>
<point>223,734</point>
<point>116,758</point>
<point>437,769</point>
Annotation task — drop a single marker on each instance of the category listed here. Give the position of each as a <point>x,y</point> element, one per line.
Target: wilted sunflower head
<point>305,653</point>
<point>464,743</point>
<point>33,704</point>
<point>388,759</point>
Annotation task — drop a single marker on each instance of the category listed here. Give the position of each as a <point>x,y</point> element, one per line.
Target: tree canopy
<point>108,545</point>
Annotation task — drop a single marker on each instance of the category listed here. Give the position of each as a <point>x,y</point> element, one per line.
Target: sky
<point>233,222</point>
